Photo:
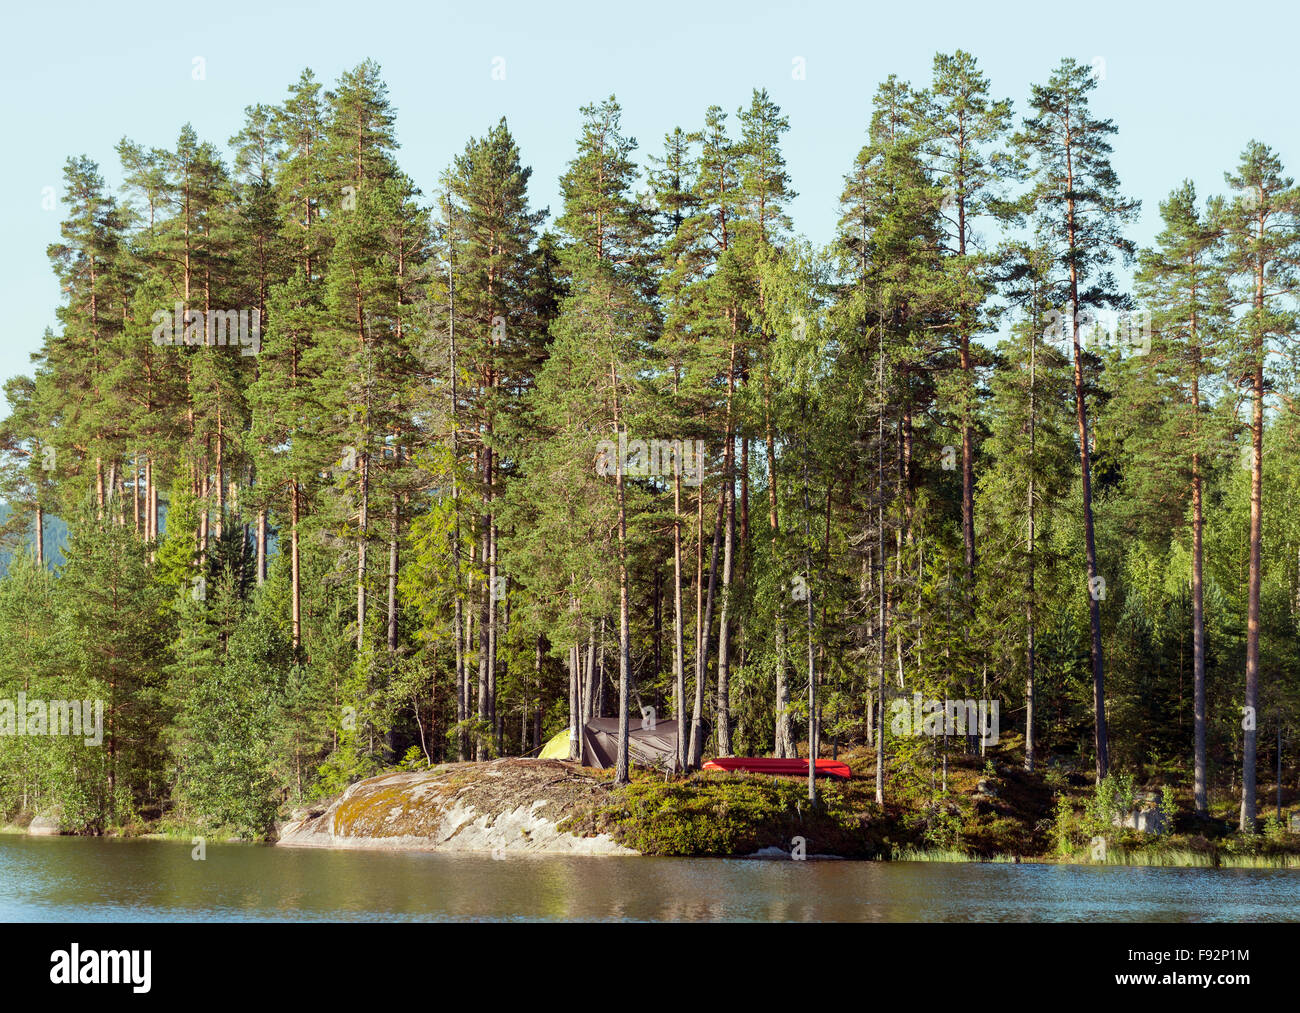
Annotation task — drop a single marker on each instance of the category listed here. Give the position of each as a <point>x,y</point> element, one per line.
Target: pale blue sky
<point>1187,83</point>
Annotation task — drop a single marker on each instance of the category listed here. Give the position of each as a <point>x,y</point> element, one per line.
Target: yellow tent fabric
<point>557,748</point>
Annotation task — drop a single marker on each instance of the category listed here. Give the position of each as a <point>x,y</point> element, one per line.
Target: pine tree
<point>497,310</point>
<point>765,193</point>
<point>364,360</point>
<point>78,360</point>
<point>1262,227</point>
<point>258,149</point>
<point>1029,450</point>
<point>607,263</point>
<point>963,127</point>
<point>679,264</point>
<point>889,243</point>
<point>1076,203</point>
<point>284,412</point>
<point>1181,283</point>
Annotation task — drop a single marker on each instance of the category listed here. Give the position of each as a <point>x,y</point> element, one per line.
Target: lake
<point>96,879</point>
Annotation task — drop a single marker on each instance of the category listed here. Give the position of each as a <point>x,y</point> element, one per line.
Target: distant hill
<point>56,537</point>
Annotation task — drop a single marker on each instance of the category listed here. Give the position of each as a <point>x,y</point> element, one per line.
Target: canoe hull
<point>770,765</point>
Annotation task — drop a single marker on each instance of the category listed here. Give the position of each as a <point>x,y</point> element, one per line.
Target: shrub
<point>1113,797</point>
<point>1066,826</point>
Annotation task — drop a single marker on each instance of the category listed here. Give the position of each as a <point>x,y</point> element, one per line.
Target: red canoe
<point>768,765</point>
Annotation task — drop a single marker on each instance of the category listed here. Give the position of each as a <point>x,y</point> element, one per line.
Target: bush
<point>1113,797</point>
<point>414,759</point>
<point>944,830</point>
<point>1168,808</point>
<point>1066,826</point>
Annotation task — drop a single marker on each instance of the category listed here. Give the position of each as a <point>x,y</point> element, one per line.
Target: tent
<point>557,748</point>
<point>646,747</point>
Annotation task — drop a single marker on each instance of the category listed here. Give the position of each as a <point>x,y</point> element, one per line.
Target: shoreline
<point>530,807</point>
<point>1226,863</point>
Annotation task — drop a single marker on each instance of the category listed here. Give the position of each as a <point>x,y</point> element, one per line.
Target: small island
<point>363,501</point>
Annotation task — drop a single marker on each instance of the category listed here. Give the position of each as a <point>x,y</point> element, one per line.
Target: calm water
<point>87,879</point>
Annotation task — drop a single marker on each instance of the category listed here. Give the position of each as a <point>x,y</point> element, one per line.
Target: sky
<point>1188,84</point>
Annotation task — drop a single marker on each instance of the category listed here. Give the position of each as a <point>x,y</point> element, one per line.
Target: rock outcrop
<point>46,824</point>
<point>507,806</point>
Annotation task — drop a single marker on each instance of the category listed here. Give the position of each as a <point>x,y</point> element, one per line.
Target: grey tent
<point>646,747</point>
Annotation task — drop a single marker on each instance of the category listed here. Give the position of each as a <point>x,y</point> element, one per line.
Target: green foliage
<point>1112,799</point>
<point>711,815</point>
<point>944,830</point>
<point>1168,808</point>
<point>1065,826</point>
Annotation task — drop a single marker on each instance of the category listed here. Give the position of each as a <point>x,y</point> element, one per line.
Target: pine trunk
<point>1100,739</point>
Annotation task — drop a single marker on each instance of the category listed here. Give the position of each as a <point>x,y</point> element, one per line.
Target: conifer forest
<point>321,473</point>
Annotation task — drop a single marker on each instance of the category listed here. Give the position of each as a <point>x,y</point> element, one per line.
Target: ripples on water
<point>89,879</point>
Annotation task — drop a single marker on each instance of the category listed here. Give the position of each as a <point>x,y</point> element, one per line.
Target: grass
<point>1152,857</point>
<point>950,855</point>
<point>932,855</point>
<point>1182,858</point>
<point>1286,861</point>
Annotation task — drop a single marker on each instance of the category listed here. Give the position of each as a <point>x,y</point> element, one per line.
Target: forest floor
<point>713,813</point>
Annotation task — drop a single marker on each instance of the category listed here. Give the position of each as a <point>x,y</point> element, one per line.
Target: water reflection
<point>95,879</point>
